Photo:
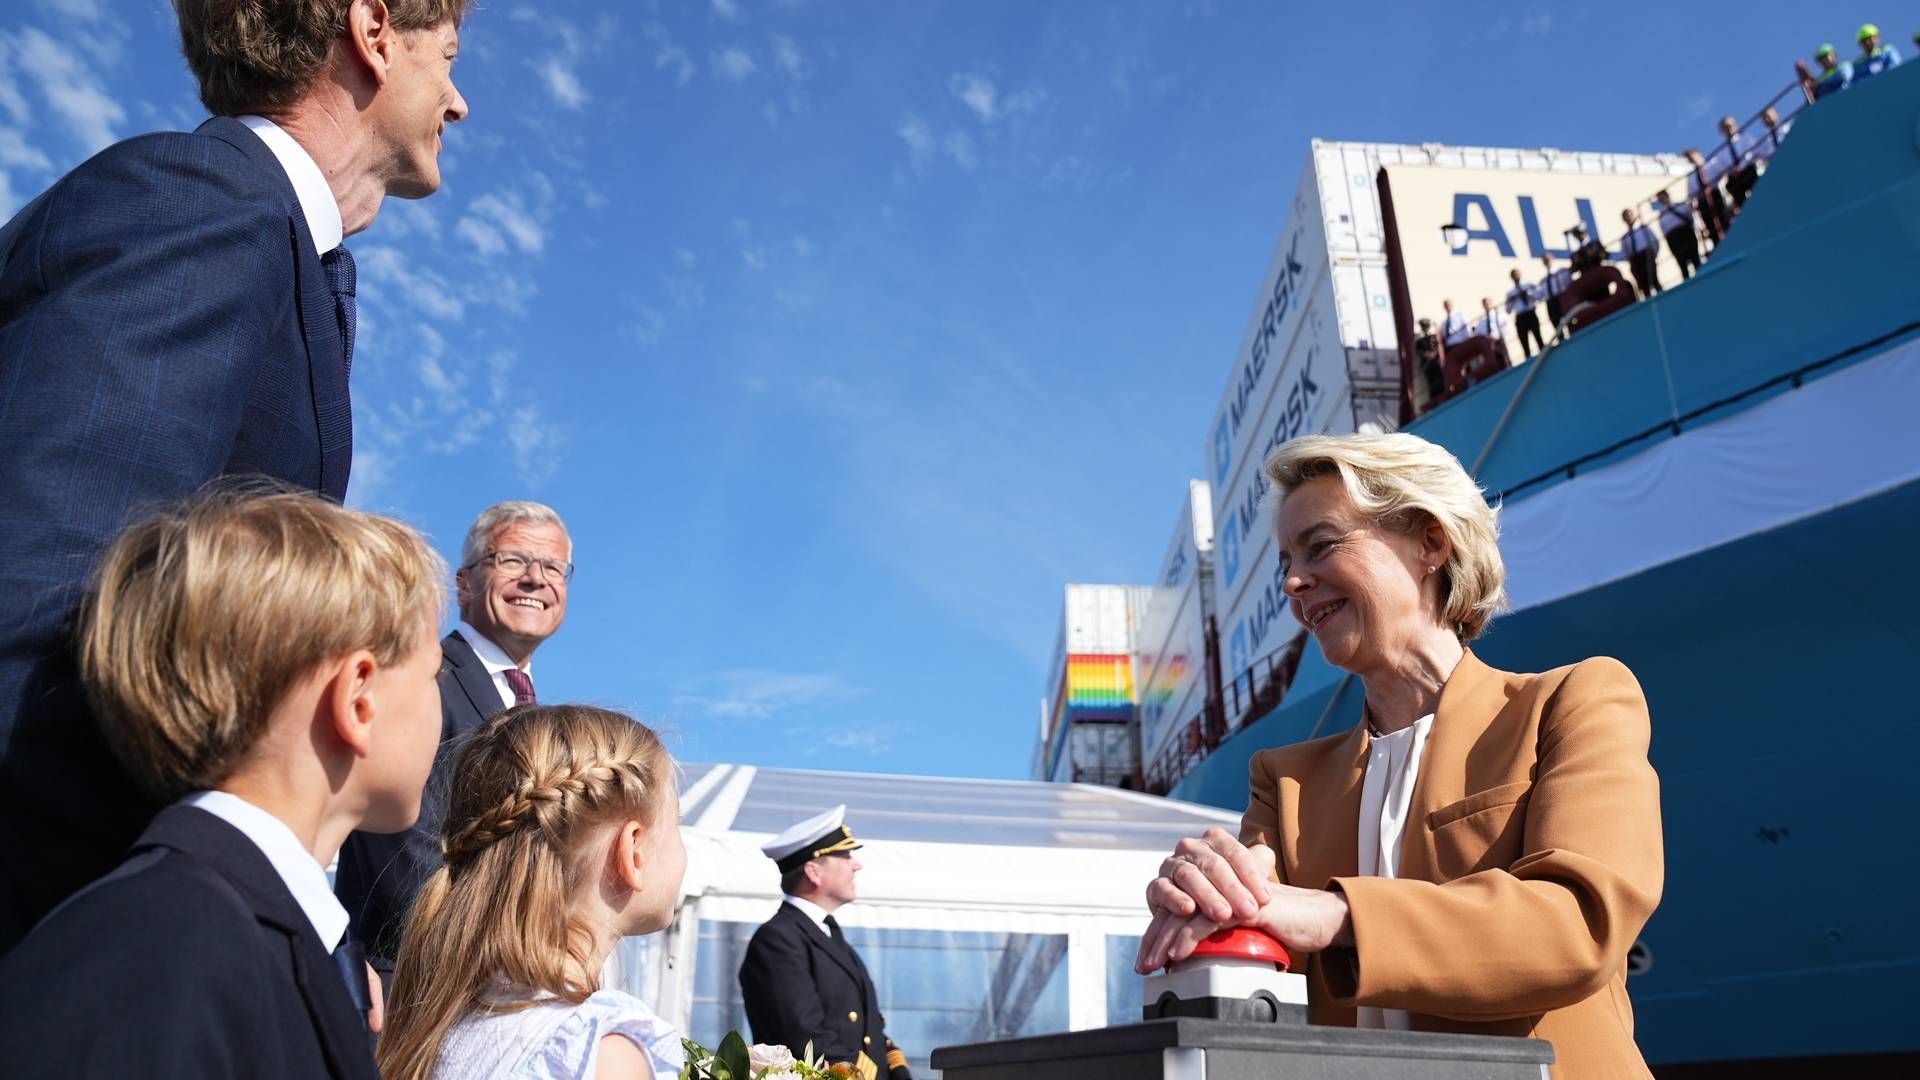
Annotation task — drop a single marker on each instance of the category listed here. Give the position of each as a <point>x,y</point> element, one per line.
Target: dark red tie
<point>522,686</point>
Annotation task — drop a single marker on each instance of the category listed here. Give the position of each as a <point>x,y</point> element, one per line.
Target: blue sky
<point>844,334</point>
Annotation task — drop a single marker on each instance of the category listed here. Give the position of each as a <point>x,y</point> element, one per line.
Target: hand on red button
<point>1215,882</point>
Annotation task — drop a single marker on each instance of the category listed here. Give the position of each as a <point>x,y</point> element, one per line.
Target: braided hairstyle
<point>527,789</point>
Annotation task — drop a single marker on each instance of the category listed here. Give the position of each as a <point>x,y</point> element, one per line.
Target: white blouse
<point>1386,797</point>
<point>553,1040</point>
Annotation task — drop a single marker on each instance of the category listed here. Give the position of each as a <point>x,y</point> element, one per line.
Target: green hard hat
<point>1824,50</point>
<point>1867,30</point>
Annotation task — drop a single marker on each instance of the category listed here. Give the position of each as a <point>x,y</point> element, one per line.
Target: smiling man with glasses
<point>515,569</point>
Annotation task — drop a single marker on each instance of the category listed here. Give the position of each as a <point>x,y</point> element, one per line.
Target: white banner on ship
<point>1769,466</point>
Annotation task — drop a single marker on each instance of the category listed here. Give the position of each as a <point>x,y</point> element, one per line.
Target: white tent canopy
<point>988,908</point>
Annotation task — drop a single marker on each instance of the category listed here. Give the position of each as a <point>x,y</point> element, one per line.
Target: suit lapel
<point>319,322</point>
<point>1329,811</point>
<point>823,941</point>
<point>473,679</point>
<point>1473,696</point>
<point>228,852</point>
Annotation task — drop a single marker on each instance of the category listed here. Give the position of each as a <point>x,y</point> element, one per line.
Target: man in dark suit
<point>801,981</point>
<point>512,589</point>
<point>176,309</point>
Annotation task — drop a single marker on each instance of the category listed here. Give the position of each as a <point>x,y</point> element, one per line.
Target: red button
<point>1243,943</point>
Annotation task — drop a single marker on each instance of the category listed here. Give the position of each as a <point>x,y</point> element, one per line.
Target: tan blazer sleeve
<point>1551,928</point>
<point>1261,823</point>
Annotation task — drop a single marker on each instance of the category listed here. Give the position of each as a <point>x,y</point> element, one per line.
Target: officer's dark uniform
<point>803,985</point>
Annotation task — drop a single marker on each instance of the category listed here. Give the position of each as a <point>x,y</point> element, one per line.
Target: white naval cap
<point>820,835</point>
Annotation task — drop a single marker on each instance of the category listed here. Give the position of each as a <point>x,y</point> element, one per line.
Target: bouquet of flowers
<point>735,1060</point>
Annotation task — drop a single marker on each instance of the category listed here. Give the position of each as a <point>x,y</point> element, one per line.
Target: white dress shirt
<point>1520,299</point>
<point>1453,328</point>
<point>1492,324</point>
<point>812,911</point>
<point>317,203</point>
<point>305,878</point>
<point>1386,797</point>
<point>495,660</point>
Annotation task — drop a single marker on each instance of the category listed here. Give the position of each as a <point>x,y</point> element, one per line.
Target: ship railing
<point>1248,696</point>
<point>1724,159</point>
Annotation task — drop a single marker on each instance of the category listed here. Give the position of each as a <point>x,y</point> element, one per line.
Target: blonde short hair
<point>203,616</point>
<point>1401,481</point>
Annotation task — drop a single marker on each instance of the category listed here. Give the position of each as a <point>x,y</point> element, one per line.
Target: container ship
<point>1714,483</point>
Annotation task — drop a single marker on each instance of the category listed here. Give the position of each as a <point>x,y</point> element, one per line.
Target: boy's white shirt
<point>306,879</point>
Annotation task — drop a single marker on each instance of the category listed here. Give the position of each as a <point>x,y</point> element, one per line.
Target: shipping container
<point>1320,351</point>
<point>1173,659</point>
<point>1091,683</point>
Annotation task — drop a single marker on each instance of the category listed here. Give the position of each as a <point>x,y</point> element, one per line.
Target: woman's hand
<point>1216,881</point>
<point>1216,876</point>
<point>1207,883</point>
<point>1304,920</point>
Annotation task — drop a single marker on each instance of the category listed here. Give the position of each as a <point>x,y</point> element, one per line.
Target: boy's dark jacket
<point>190,960</point>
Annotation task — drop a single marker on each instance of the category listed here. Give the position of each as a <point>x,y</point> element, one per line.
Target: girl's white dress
<point>552,1040</point>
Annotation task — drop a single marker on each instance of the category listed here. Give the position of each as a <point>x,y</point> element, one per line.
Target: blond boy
<point>264,665</point>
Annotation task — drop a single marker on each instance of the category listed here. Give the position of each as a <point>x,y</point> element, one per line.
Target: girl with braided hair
<point>561,837</point>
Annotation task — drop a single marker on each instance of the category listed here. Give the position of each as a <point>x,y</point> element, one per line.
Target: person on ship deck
<point>1480,851</point>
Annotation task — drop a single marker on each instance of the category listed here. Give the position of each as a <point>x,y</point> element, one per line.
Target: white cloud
<point>648,327</point>
<point>10,203</point>
<point>11,99</point>
<point>960,149</point>
<point>408,217</point>
<point>509,215</point>
<point>88,10</point>
<point>803,247</point>
<point>563,82</point>
<point>668,56</point>
<point>536,444</point>
<point>733,64</point>
<point>1025,101</point>
<point>1538,24</point>
<point>757,694</point>
<point>754,258</point>
<point>17,153</point>
<point>486,239</point>
<point>977,92</point>
<point>685,258</point>
<point>70,87</point>
<point>918,136</point>
<point>428,292</point>
<point>372,475</point>
<point>434,377</point>
<point>791,59</point>
<point>866,740</point>
<point>727,9</point>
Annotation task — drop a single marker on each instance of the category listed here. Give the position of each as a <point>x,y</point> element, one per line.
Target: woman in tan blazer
<point>1479,854</point>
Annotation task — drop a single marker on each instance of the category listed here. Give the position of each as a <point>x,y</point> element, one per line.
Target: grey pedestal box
<point>1186,1048</point>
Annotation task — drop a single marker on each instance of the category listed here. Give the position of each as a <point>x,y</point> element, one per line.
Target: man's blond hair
<point>202,618</point>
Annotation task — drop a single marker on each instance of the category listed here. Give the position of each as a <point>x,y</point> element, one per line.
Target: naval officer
<point>801,981</point>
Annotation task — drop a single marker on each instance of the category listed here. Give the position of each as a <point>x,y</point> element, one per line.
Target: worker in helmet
<point>1834,74</point>
<point>1874,57</point>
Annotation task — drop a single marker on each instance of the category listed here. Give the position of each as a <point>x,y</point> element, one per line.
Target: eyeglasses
<point>515,564</point>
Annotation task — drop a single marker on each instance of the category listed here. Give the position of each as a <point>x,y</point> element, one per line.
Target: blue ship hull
<point>1776,659</point>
